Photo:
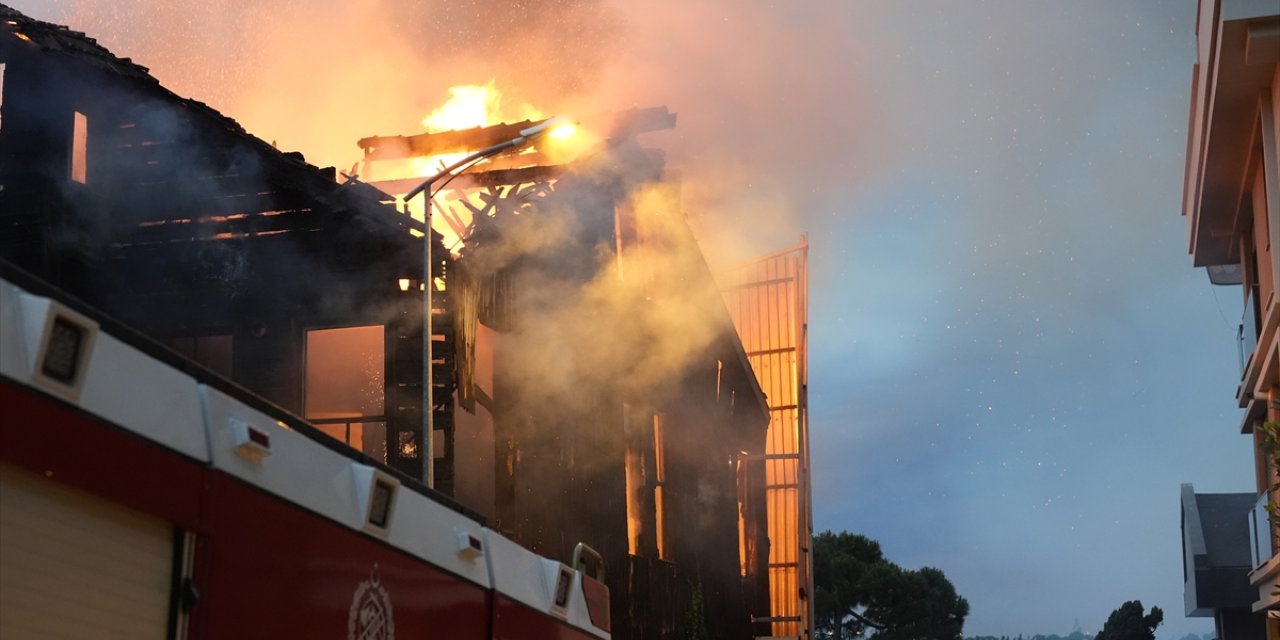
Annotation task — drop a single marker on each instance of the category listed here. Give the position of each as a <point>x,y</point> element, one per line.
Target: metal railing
<point>347,422</point>
<point>1260,547</point>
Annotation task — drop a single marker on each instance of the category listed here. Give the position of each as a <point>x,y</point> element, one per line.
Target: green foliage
<point>1129,623</point>
<point>1270,432</point>
<point>842,563</point>
<point>858,593</point>
<point>1271,446</point>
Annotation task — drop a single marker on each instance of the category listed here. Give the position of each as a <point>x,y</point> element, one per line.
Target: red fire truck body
<point>141,496</point>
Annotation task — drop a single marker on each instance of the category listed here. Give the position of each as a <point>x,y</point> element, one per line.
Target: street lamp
<point>557,127</point>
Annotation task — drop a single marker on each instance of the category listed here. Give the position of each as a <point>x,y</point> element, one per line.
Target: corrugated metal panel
<point>76,566</point>
<point>768,300</point>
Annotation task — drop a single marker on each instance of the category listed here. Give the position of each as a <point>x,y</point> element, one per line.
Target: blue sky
<point>1014,365</point>
<point>1030,366</point>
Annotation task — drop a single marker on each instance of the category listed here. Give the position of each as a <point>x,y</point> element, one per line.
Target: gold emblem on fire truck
<point>371,617</point>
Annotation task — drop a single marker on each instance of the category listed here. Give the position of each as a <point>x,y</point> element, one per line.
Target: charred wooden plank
<point>479,179</point>
<point>621,124</point>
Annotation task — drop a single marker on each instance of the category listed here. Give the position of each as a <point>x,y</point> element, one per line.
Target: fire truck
<point>142,496</point>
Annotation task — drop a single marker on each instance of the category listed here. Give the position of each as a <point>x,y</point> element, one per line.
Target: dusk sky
<point>1014,364</point>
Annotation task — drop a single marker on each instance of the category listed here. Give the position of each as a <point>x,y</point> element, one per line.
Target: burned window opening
<point>343,386</point>
<point>659,488</point>
<point>646,484</point>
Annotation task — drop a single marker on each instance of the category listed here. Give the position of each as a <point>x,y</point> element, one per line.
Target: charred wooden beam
<point>482,179</point>
<point>622,124</point>
<point>181,229</point>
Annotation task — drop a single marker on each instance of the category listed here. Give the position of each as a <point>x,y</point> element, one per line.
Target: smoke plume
<point>761,92</point>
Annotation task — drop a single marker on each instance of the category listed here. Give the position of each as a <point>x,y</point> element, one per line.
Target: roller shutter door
<point>76,566</point>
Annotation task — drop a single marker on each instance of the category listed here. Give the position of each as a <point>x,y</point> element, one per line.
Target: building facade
<point>603,391</point>
<point>1231,201</point>
<point>768,299</point>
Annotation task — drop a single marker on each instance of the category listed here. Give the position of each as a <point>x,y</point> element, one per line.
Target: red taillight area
<point>597,596</point>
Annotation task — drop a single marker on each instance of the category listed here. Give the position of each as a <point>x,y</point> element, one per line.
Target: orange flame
<point>468,106</point>
<point>474,105</point>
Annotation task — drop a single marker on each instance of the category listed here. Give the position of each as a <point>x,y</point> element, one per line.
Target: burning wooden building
<point>587,382</point>
<point>169,216</point>
<point>603,392</point>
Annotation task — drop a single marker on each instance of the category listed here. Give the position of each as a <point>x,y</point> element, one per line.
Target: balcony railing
<point>1260,547</point>
<point>341,429</point>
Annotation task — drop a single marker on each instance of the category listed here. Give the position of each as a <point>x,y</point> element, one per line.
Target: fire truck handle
<point>579,562</point>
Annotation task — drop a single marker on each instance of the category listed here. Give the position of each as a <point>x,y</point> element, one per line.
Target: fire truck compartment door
<point>77,566</point>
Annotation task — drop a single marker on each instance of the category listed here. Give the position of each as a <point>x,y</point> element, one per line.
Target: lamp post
<point>428,187</point>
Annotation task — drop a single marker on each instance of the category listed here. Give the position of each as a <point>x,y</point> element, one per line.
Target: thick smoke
<point>595,322</point>
<point>317,76</point>
<point>756,89</point>
<point>768,104</point>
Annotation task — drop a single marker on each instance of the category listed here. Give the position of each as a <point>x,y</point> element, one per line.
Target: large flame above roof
<point>475,105</point>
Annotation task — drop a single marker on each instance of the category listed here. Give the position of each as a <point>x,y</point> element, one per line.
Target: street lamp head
<point>559,127</point>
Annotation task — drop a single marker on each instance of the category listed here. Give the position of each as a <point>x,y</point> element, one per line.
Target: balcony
<point>1260,541</point>
<point>366,434</point>
<point>1265,576</point>
<point>1258,358</point>
<point>1247,334</point>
